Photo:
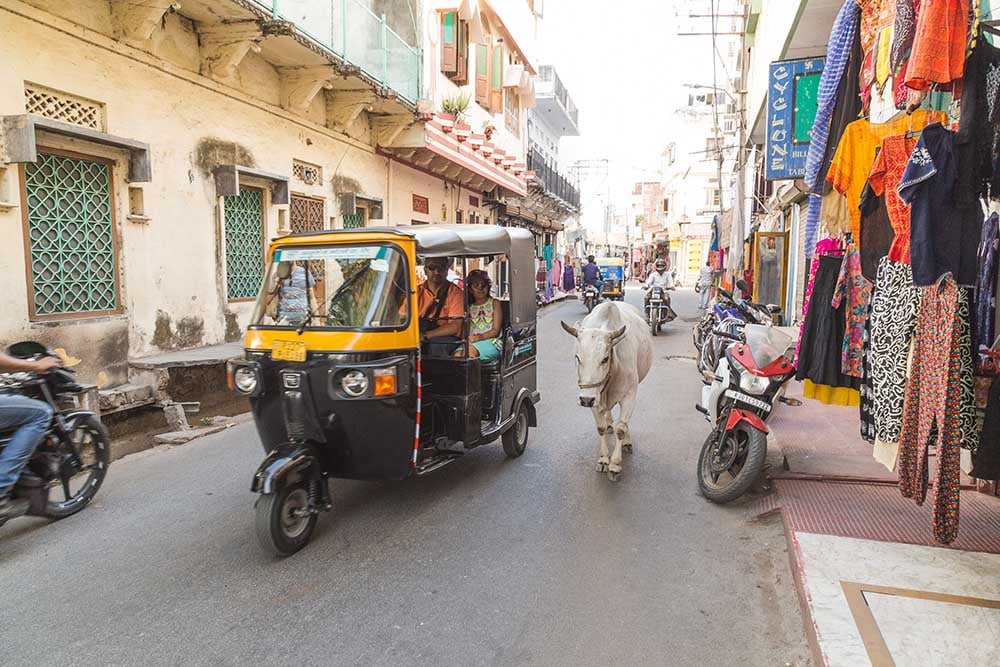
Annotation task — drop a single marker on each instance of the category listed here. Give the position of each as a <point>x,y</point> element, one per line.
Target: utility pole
<point>739,206</point>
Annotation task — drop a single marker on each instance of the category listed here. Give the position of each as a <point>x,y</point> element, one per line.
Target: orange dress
<point>855,154</point>
<point>938,54</point>
<point>886,174</point>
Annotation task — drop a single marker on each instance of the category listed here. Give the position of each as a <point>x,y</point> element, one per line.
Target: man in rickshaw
<point>440,304</point>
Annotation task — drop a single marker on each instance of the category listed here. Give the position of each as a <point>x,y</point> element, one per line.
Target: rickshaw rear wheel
<point>284,520</point>
<point>515,439</point>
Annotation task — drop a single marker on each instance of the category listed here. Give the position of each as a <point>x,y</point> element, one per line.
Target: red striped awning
<point>452,152</point>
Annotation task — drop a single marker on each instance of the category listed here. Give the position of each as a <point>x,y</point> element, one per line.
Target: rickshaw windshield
<point>335,287</point>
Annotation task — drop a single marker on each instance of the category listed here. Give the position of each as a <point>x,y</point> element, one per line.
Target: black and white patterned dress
<point>892,321</point>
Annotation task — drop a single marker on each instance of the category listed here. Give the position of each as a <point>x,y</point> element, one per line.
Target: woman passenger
<point>486,316</point>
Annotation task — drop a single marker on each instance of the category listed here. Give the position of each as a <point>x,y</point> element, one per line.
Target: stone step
<point>125,397</point>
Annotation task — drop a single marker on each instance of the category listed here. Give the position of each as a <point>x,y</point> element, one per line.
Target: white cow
<point>614,351</point>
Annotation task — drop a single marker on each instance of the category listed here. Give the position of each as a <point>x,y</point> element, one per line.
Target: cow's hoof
<point>627,447</point>
<point>613,476</point>
<point>602,466</point>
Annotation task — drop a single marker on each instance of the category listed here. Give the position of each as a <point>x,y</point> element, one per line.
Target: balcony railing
<point>554,182</point>
<point>350,30</point>
<point>547,73</point>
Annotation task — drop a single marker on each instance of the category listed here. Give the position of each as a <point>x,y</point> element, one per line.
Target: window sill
<point>64,321</point>
<point>138,219</point>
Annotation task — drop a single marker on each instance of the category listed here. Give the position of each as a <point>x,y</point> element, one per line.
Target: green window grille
<point>244,244</point>
<point>355,221</point>
<point>70,236</point>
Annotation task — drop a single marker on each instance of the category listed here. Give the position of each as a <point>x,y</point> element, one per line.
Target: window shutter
<point>449,43</point>
<point>462,71</point>
<point>496,80</point>
<point>483,75</point>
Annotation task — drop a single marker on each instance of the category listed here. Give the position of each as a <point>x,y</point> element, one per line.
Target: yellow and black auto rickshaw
<point>613,274</point>
<point>340,384</point>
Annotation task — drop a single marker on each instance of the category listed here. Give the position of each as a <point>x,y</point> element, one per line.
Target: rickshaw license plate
<point>289,350</point>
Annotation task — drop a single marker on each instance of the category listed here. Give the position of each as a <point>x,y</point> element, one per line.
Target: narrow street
<point>538,560</point>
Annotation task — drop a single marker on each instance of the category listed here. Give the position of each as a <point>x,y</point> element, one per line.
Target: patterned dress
<point>893,315</point>
<point>857,290</point>
<point>933,396</point>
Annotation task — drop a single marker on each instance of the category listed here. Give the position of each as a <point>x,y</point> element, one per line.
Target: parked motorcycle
<point>729,313</point>
<point>658,310</point>
<point>74,455</point>
<point>750,377</point>
<point>591,297</point>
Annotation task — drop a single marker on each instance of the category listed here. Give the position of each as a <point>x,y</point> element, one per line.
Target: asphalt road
<point>539,560</point>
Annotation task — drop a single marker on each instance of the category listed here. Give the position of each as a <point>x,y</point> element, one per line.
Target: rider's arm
<point>9,364</point>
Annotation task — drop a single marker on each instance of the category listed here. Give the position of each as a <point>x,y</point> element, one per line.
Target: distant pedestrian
<point>705,285</point>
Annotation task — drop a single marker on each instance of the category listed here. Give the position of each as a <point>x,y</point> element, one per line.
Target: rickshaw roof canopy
<point>435,240</point>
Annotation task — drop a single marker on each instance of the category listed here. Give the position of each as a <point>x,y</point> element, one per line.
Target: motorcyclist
<point>30,419</point>
<point>592,275</point>
<point>660,277</point>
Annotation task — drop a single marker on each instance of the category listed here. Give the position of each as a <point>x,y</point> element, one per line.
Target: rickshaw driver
<point>439,298</point>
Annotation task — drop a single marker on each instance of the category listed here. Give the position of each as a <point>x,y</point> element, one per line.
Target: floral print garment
<point>857,289</point>
<point>933,397</point>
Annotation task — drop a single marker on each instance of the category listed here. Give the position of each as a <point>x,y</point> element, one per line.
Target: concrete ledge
<point>199,356</point>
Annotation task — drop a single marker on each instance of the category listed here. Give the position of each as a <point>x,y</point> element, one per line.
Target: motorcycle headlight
<point>753,384</point>
<point>354,383</point>
<point>245,379</point>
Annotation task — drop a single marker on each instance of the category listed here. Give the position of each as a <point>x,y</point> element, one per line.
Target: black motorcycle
<point>658,310</point>
<point>73,457</point>
<point>591,297</point>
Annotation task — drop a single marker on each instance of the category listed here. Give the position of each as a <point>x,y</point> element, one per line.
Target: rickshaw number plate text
<point>289,350</point>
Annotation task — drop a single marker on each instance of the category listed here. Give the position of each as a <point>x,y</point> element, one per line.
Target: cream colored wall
<point>171,265</point>
<point>407,181</point>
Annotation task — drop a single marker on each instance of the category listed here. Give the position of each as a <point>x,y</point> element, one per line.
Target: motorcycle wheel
<point>590,304</point>
<point>80,483</point>
<point>281,529</point>
<point>652,324</point>
<point>727,471</point>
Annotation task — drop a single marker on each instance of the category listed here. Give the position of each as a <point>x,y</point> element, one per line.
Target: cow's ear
<point>570,330</point>
<point>617,335</point>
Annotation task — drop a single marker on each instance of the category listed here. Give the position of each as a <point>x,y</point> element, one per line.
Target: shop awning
<point>450,151</point>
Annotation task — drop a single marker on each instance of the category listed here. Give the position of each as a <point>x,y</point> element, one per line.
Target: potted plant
<point>488,129</point>
<point>456,106</point>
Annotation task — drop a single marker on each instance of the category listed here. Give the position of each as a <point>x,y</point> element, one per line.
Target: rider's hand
<point>46,364</point>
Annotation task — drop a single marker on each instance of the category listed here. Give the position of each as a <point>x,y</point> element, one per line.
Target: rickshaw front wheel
<point>284,520</point>
<point>515,439</point>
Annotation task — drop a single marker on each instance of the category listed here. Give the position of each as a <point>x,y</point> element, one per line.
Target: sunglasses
<point>478,285</point>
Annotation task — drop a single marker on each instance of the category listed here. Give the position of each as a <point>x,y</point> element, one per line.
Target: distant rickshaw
<point>349,387</point>
<point>613,275</point>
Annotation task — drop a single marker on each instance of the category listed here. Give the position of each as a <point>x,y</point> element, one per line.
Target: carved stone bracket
<point>390,126</point>
<point>224,45</point>
<point>136,21</point>
<point>344,106</point>
<point>300,85</point>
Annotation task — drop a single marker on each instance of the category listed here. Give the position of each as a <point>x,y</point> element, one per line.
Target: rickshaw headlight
<point>245,379</point>
<point>385,381</point>
<point>354,383</point>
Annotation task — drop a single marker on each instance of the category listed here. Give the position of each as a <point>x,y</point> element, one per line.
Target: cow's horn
<point>617,335</point>
<point>570,330</point>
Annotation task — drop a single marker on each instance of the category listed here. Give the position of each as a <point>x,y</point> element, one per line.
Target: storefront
<point>900,316</point>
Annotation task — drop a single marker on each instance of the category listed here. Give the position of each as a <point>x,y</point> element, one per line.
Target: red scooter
<point>737,400</point>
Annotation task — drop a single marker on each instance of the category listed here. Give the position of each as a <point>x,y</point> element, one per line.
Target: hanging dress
<point>933,397</point>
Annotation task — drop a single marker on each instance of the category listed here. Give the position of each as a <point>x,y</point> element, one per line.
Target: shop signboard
<point>791,109</point>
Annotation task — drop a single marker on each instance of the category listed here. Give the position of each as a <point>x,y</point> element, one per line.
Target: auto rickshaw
<point>613,275</point>
<point>343,388</point>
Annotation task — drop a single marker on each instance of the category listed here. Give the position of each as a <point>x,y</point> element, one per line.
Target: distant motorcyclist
<point>592,275</point>
<point>660,277</point>
<point>663,279</point>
